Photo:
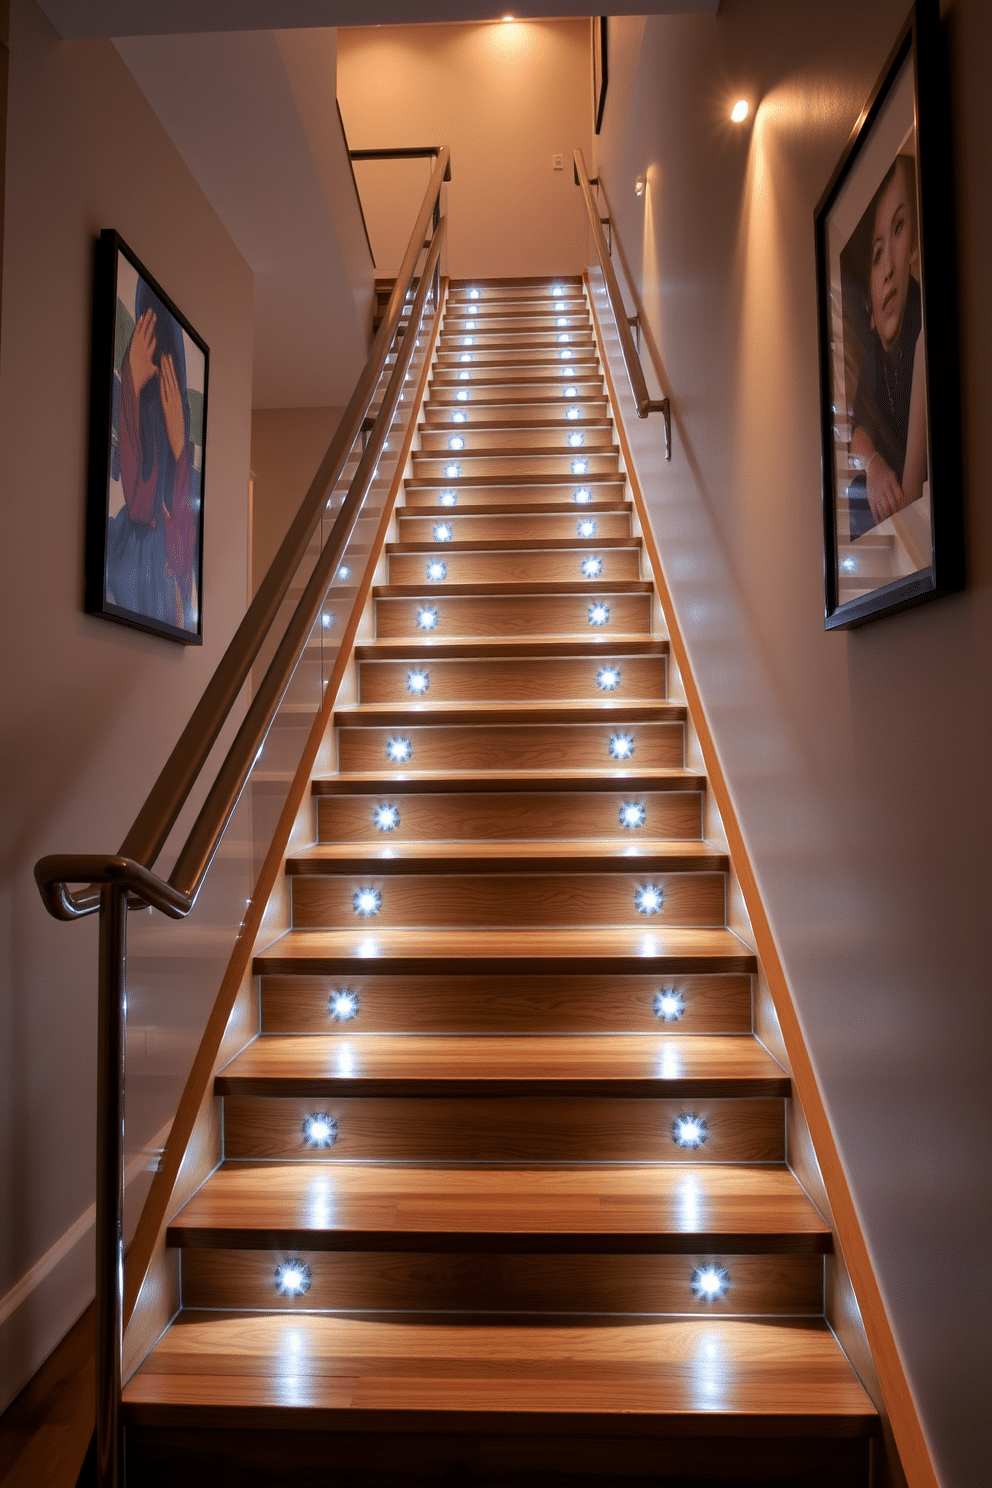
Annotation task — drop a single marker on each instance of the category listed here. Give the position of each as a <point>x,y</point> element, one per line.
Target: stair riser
<point>616,565</point>
<point>516,416</point>
<point>516,1129</point>
<point>510,679</point>
<point>520,357</point>
<point>489,372</point>
<point>435,441</point>
<point>475,465</point>
<point>580,340</point>
<point>517,496</point>
<point>522,325</point>
<point>761,1285</point>
<point>517,615</point>
<point>503,747</point>
<point>521,394</point>
<point>508,1004</point>
<point>506,899</point>
<point>542,815</point>
<point>512,526</point>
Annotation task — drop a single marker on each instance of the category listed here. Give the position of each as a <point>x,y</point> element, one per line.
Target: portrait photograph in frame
<point>892,499</point>
<point>148,421</point>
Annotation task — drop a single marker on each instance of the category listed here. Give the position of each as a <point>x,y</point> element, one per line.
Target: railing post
<point>111,1021</point>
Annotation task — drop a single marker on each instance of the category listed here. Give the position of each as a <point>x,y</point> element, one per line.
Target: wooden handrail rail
<point>643,402</point>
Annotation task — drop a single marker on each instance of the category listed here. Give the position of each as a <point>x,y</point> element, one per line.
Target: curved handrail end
<point>54,874</point>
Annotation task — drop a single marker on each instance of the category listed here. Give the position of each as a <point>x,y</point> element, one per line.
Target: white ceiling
<point>77,18</point>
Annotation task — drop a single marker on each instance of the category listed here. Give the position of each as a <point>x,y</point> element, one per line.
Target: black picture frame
<point>887,309</point>
<point>600,67</point>
<point>147,457</point>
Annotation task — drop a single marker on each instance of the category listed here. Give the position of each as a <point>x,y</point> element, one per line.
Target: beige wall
<point>858,760</point>
<point>89,709</point>
<point>287,446</point>
<point>506,98</point>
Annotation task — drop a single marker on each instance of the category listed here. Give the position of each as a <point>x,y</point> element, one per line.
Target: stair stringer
<point>194,1148</point>
<point>854,1308</point>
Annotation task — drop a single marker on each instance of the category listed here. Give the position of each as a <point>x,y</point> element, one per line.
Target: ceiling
<point>79,18</point>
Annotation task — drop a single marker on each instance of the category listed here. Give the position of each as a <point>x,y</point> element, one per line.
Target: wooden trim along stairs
<point>481,1175</point>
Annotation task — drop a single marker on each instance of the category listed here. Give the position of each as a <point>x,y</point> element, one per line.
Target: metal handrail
<point>125,880</point>
<point>643,402</point>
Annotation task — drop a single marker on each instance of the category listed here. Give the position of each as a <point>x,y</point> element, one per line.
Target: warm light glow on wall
<point>739,111</point>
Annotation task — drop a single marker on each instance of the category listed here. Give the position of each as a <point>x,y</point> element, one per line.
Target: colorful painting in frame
<point>144,550</point>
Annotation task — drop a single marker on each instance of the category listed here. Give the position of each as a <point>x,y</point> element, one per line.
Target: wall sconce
<point>640,185</point>
<point>739,111</point>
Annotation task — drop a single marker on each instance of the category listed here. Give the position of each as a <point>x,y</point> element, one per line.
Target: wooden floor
<point>505,1196</point>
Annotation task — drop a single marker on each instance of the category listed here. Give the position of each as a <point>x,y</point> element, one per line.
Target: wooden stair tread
<point>626,1064</point>
<point>560,855</point>
<point>640,1375</point>
<point>537,589</point>
<point>655,1208</point>
<point>429,548</point>
<point>510,951</point>
<point>375,781</point>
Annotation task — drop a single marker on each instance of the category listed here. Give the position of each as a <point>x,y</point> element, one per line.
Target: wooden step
<point>500,391</point>
<point>515,524</point>
<point>629,1285</point>
<point>503,563</point>
<point>482,411</point>
<point>554,609</point>
<point>506,437</point>
<point>658,1208</point>
<point>490,817</point>
<point>546,493</point>
<point>625,1379</point>
<point>631,1002</point>
<point>527,340</point>
<point>498,679</point>
<point>491,369</point>
<point>446,746</point>
<point>470,464</point>
<point>663,951</point>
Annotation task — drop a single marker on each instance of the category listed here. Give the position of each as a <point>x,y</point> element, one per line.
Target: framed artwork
<point>892,501</point>
<point>600,67</point>
<point>148,424</point>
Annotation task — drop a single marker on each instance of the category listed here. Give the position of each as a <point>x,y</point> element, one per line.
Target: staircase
<point>505,1195</point>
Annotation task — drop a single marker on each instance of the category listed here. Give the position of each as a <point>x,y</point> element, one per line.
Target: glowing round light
<point>436,571</point>
<point>566,356</point>
<point>669,1005</point>
<point>293,1278</point>
<point>386,818</point>
<point>418,682</point>
<point>848,565</point>
<point>570,392</point>
<point>458,417</point>
<point>689,1130</point>
<point>573,413</point>
<point>456,442</point>
<point>427,618</point>
<point>599,614</point>
<point>739,111</point>
<point>452,472</point>
<point>587,527</point>
<point>465,376</point>
<point>327,621</point>
<point>366,901</point>
<point>608,678</point>
<point>648,899</point>
<point>632,815</point>
<point>462,395</point>
<point>470,325</point>
<point>592,568</point>
<point>562,320</point>
<point>442,531</point>
<point>344,572</point>
<point>576,439</point>
<point>448,498</point>
<point>399,750</point>
<point>473,294</point>
<point>320,1130</point>
<point>583,495</point>
<point>564,338</point>
<point>468,340</point>
<point>343,1005</point>
<point>557,291</point>
<point>580,467</point>
<point>709,1283</point>
<point>621,746</point>
<point>466,356</point>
